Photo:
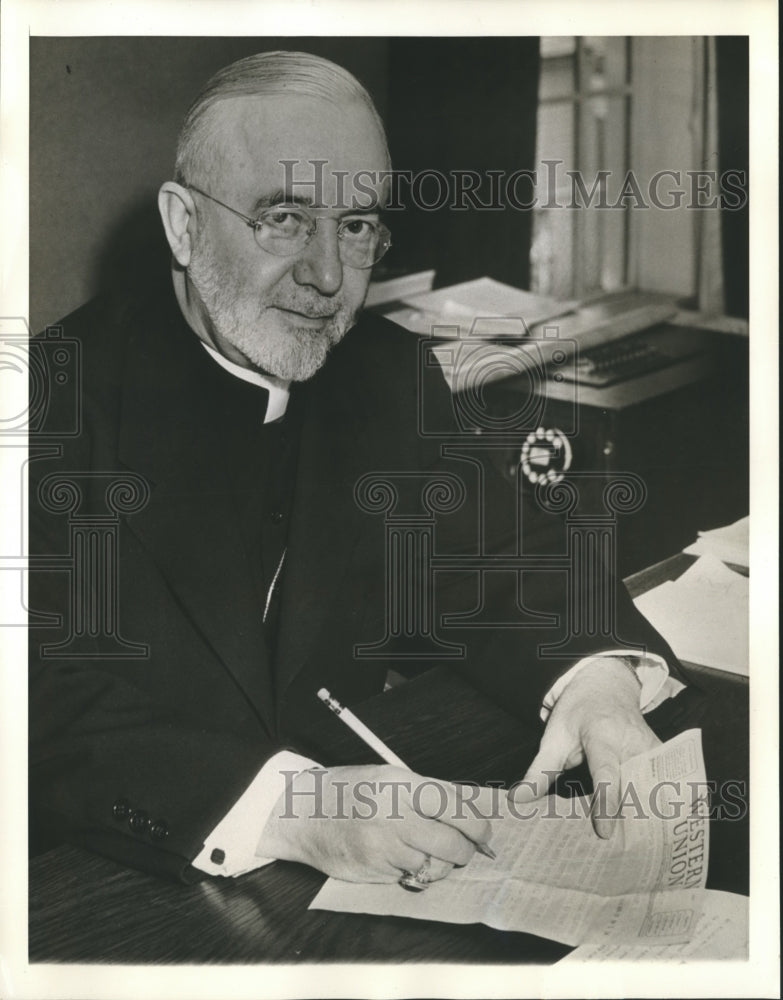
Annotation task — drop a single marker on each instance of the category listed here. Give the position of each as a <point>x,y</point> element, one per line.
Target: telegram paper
<point>555,878</point>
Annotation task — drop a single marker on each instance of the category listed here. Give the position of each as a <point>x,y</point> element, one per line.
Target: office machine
<point>632,356</point>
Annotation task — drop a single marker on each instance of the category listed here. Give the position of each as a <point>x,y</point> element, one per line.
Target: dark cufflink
<point>217,857</point>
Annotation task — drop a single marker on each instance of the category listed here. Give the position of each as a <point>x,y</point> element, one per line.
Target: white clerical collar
<point>278,388</point>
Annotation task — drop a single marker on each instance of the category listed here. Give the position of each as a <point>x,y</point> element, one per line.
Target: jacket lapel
<point>194,431</point>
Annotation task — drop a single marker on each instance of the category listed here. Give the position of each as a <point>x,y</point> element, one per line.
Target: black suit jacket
<point>138,757</point>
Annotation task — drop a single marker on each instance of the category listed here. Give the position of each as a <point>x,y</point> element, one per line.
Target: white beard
<point>265,338</point>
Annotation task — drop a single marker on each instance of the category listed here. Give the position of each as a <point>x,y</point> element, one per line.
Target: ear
<point>177,210</point>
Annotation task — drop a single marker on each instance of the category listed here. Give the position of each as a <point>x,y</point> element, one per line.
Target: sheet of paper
<point>721,934</point>
<point>478,309</point>
<point>486,297</point>
<point>703,615</point>
<point>730,543</point>
<point>555,878</point>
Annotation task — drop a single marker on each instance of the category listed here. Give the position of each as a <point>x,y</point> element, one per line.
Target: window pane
<point>603,64</point>
<point>554,46</point>
<point>556,140</point>
<point>582,124</point>
<point>557,78</point>
<point>558,66</point>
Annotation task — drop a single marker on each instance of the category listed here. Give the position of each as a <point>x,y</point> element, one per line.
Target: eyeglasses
<point>284,230</point>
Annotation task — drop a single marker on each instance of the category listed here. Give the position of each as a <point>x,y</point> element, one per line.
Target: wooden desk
<point>84,908</point>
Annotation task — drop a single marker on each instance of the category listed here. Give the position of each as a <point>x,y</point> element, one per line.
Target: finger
<point>439,869</point>
<point>605,802</point>
<point>440,841</point>
<point>548,763</point>
<point>604,758</point>
<point>379,870</point>
<point>405,858</point>
<point>408,859</point>
<point>453,806</point>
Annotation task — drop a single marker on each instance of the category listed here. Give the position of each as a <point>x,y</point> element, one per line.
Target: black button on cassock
<point>121,809</point>
<point>159,829</point>
<point>277,517</point>
<point>138,821</point>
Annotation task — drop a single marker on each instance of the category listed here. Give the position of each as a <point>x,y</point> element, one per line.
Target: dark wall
<point>466,104</point>
<point>733,94</point>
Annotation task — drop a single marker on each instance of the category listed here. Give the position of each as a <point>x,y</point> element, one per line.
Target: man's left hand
<point>596,718</point>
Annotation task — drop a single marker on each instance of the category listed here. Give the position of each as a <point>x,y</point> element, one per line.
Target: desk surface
<point>84,908</point>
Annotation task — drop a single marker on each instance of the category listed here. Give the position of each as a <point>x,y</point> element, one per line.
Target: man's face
<point>282,314</point>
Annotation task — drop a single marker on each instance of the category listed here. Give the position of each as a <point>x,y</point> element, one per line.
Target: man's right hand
<point>372,823</point>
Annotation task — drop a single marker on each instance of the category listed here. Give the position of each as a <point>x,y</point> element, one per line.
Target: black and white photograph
<point>389,419</point>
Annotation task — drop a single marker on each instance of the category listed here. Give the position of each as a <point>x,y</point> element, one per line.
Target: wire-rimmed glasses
<point>284,230</point>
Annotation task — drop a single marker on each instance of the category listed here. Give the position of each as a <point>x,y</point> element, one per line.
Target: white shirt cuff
<point>230,848</point>
<point>652,671</point>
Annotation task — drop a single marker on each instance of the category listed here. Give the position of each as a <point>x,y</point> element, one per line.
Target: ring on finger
<point>419,880</point>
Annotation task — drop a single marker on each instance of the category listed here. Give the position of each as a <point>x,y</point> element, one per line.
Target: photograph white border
<point>759,977</point>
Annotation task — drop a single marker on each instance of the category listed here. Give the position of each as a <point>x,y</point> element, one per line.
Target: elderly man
<point>248,397</point>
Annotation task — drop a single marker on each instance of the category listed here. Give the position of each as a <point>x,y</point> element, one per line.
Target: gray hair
<point>264,74</point>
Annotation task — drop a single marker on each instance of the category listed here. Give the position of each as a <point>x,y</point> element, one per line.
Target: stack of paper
<point>482,308</point>
<point>703,615</point>
<point>729,544</point>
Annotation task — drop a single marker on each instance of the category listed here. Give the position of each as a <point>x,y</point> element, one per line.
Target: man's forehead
<point>310,148</point>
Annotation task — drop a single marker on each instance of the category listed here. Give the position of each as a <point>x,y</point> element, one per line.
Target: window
<point>582,136</point>
<point>626,116</point>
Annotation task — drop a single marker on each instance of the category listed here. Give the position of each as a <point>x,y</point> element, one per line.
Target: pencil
<point>375,743</point>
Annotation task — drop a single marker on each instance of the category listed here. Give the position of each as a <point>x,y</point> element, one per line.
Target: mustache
<point>314,309</point>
